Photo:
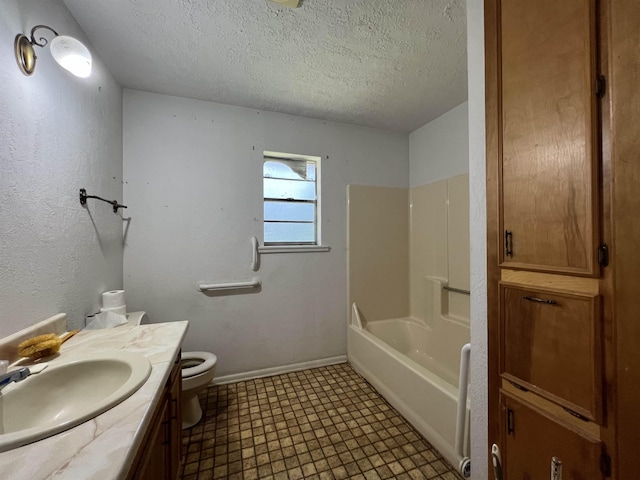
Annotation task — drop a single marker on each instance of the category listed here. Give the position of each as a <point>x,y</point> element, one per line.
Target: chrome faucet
<point>15,376</point>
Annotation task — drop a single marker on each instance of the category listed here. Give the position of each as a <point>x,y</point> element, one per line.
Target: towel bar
<point>209,287</point>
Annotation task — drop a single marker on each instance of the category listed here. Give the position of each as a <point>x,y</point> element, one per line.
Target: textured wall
<point>478,227</point>
<point>193,182</point>
<point>440,149</point>
<point>59,133</point>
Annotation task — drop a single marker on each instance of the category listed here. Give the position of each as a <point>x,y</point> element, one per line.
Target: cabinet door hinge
<point>601,86</point>
<point>603,254</point>
<point>605,464</point>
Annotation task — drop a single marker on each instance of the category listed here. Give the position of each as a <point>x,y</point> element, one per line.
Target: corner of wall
<point>477,224</point>
<point>439,149</point>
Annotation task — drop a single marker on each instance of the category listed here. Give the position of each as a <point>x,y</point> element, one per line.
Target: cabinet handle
<point>575,414</point>
<point>508,243</point>
<point>519,387</point>
<point>540,300</point>
<point>510,422</point>
<point>167,433</point>
<point>174,403</point>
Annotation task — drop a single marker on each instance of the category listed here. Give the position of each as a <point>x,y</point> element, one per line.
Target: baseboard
<point>268,372</point>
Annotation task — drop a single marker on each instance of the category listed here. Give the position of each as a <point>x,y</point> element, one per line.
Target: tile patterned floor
<point>323,423</point>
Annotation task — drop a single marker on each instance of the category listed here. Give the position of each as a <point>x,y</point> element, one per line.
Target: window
<point>291,199</point>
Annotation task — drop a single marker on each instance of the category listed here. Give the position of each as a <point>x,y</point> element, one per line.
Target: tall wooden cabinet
<point>563,376</point>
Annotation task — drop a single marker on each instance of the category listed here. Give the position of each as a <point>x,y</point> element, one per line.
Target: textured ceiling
<point>394,64</point>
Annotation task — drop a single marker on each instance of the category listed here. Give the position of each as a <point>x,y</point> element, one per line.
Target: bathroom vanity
<point>137,438</point>
<point>158,455</point>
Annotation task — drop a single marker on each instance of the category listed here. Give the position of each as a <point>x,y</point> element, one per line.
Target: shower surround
<point>407,249</point>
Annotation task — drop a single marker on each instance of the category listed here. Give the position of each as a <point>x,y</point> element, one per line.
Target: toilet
<point>198,369</point>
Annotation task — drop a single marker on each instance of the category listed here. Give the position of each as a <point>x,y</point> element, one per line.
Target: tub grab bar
<point>209,287</point>
<point>255,256</point>
<point>356,319</point>
<point>465,463</point>
<point>457,290</point>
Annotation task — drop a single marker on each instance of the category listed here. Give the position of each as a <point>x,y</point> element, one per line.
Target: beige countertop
<point>104,447</point>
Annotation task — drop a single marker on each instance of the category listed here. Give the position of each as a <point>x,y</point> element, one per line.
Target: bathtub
<point>416,371</point>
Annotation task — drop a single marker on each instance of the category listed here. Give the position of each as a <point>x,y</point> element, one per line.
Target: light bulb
<point>72,55</point>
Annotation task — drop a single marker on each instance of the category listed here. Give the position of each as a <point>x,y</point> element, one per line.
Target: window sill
<point>293,248</point>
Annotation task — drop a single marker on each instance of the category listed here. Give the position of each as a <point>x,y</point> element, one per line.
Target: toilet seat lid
<point>208,361</point>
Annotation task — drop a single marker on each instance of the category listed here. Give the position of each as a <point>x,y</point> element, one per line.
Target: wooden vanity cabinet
<point>158,457</point>
<point>153,462</point>
<point>174,393</point>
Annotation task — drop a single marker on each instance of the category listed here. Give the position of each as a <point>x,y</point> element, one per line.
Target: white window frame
<point>297,247</point>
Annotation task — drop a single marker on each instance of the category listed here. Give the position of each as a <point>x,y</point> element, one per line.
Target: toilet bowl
<point>198,369</point>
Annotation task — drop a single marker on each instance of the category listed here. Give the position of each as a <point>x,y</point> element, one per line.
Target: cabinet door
<point>533,439</point>
<point>548,128</point>
<point>551,344</point>
<point>159,455</point>
<point>175,420</point>
<point>154,464</point>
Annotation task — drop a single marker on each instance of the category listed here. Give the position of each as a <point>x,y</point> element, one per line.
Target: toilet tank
<point>137,318</point>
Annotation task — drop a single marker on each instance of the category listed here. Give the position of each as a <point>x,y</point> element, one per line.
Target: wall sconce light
<point>68,52</point>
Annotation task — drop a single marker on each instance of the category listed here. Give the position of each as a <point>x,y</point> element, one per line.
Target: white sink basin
<point>67,394</point>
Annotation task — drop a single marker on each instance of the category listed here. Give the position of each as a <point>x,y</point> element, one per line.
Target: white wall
<point>478,228</point>
<point>193,182</point>
<point>59,134</point>
<point>440,149</point>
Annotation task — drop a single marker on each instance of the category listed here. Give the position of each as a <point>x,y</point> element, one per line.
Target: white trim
<point>268,372</point>
<point>293,248</point>
<point>291,156</point>
<point>317,223</point>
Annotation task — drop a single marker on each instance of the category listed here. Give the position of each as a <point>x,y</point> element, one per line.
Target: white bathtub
<point>413,339</point>
<point>415,371</point>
